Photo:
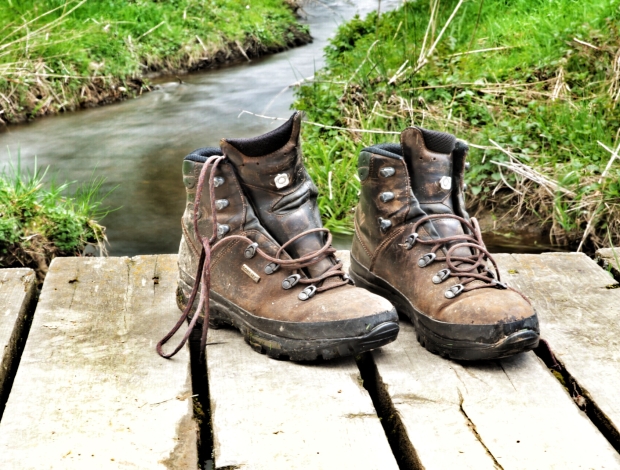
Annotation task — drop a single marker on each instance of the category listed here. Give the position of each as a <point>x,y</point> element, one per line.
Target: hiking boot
<point>416,245</point>
<point>273,175</point>
<point>247,279</point>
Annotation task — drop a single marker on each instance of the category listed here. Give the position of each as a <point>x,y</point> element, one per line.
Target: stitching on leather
<point>188,239</point>
<point>407,192</point>
<point>391,285</point>
<point>223,252</point>
<point>359,239</point>
<point>397,232</point>
<point>243,201</point>
<point>371,165</point>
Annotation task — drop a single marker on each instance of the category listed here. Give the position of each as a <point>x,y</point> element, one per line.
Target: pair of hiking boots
<point>255,255</point>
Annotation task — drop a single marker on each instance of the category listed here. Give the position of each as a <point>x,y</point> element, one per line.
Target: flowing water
<point>138,145</point>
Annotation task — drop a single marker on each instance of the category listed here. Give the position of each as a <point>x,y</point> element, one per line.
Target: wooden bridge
<point>81,385</point>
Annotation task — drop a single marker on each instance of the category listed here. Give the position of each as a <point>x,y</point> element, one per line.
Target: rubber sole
<point>223,313</point>
<point>522,335</point>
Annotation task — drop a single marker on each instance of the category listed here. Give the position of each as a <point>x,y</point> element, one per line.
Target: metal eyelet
<point>454,291</point>
<point>500,285</point>
<point>271,268</point>
<point>387,171</point>
<point>467,165</point>
<point>307,293</point>
<point>221,204</point>
<point>441,276</point>
<point>222,229</point>
<point>427,259</point>
<point>250,251</point>
<point>290,281</point>
<point>410,241</point>
<point>386,196</point>
<point>218,181</point>
<point>384,224</point>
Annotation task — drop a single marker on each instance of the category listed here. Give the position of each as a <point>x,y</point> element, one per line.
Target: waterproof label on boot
<point>246,269</point>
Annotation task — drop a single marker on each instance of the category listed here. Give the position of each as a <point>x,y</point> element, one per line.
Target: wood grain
<point>91,392</point>
<point>509,414</point>
<point>17,295</point>
<point>270,414</point>
<point>579,309</point>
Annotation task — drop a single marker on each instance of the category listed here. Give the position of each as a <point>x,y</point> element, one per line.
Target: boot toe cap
<point>483,316</point>
<point>486,307</point>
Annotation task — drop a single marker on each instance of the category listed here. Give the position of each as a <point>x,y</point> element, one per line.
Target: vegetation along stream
<point>138,145</point>
<point>496,88</point>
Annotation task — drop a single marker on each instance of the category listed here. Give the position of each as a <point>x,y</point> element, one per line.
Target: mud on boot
<point>416,245</point>
<point>288,302</point>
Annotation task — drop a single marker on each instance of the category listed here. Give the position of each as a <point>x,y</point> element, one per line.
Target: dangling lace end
<point>202,278</point>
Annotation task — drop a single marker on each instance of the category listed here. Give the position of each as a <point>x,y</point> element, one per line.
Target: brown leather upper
<point>416,185</point>
<point>288,210</point>
<point>266,299</point>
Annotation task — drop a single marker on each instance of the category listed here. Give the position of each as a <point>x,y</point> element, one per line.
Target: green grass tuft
<point>39,222</point>
<point>58,55</point>
<point>539,78</point>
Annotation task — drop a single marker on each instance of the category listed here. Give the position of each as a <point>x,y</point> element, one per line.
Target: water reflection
<point>139,144</point>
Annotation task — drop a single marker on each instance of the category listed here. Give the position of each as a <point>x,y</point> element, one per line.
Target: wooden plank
<point>269,414</point>
<point>509,414</point>
<point>17,296</point>
<point>91,392</point>
<point>579,308</point>
<point>609,259</point>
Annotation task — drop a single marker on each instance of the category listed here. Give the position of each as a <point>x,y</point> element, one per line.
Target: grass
<point>39,222</point>
<point>532,85</point>
<point>58,55</point>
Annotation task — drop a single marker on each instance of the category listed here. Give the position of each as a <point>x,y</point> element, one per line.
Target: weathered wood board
<point>579,311</point>
<point>270,414</point>
<point>91,391</point>
<point>609,258</point>
<point>509,414</point>
<point>17,295</point>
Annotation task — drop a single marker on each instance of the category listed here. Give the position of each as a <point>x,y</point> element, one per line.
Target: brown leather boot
<point>273,175</point>
<point>416,245</point>
<point>283,306</point>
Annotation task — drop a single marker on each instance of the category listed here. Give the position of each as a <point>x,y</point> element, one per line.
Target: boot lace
<point>467,268</point>
<point>209,245</point>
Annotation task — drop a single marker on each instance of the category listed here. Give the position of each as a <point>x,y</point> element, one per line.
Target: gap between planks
<point>503,414</point>
<point>91,391</point>
<point>17,302</point>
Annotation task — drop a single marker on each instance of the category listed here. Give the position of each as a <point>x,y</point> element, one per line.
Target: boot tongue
<point>429,160</point>
<point>281,191</point>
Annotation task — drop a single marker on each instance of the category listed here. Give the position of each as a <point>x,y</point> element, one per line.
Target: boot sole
<point>225,313</point>
<point>523,335</point>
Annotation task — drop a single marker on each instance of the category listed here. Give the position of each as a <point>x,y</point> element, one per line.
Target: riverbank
<point>61,56</point>
<point>39,220</point>
<point>533,87</point>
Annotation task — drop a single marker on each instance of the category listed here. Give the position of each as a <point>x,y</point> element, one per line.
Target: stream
<point>138,145</point>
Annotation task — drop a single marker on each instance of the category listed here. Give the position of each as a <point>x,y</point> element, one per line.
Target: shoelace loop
<point>203,272</point>
<point>467,268</point>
